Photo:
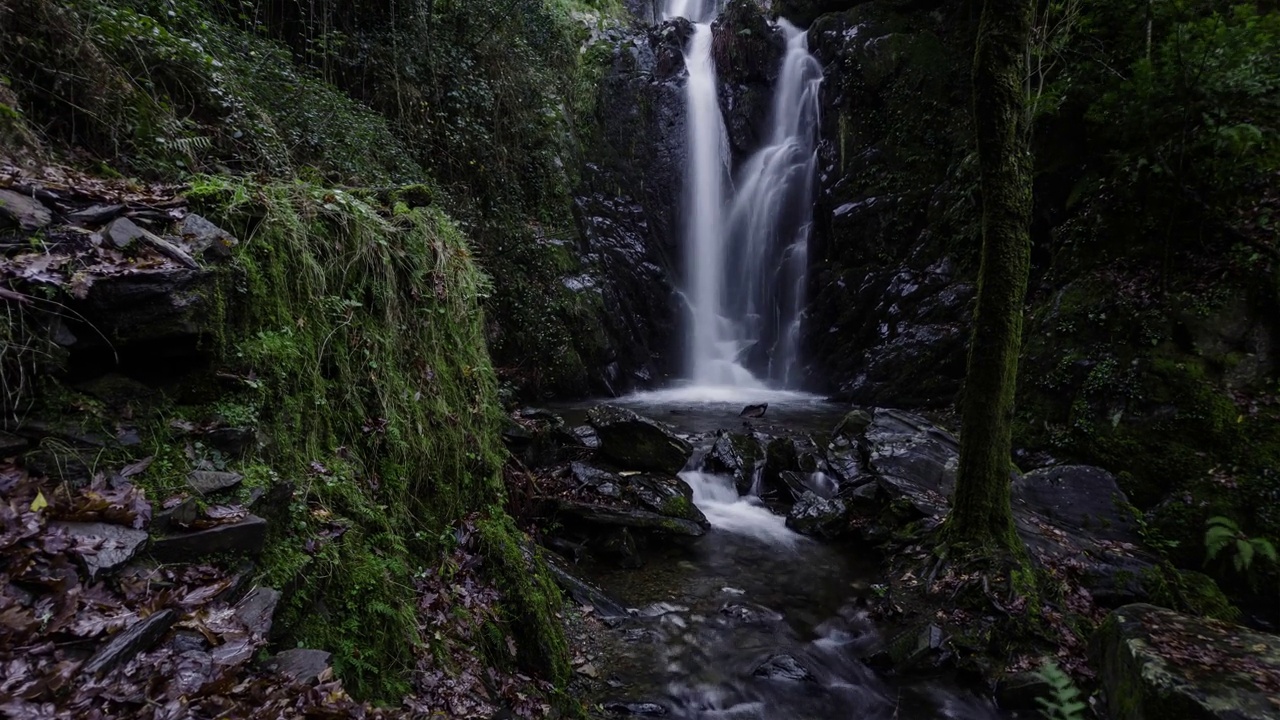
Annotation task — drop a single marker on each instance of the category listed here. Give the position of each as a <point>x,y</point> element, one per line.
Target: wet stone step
<point>245,537</point>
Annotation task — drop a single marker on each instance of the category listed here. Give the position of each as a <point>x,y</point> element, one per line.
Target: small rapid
<point>718,499</point>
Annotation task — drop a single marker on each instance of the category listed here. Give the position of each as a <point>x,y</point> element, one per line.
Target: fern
<point>1220,532</point>
<point>1064,701</point>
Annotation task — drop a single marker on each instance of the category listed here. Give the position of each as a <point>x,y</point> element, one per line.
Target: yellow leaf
<point>1240,419</point>
<point>39,503</point>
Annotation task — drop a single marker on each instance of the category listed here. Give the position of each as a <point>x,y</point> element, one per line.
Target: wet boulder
<point>1080,497</point>
<point>603,516</point>
<point>813,515</point>
<point>1078,514</point>
<point>741,455</point>
<point>913,459</point>
<point>797,453</point>
<point>1156,663</point>
<point>664,494</point>
<point>783,667</point>
<point>634,442</point>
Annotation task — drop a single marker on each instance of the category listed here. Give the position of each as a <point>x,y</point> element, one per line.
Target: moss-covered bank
<point>360,339</point>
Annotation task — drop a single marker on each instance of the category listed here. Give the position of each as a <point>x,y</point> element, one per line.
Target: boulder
<point>738,454</point>
<point>664,494</point>
<point>103,547</point>
<point>1080,497</point>
<point>812,515</point>
<point>1077,515</point>
<point>1156,663</point>
<point>638,443</point>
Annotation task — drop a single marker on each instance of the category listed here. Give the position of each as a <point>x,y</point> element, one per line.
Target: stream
<point>753,621</point>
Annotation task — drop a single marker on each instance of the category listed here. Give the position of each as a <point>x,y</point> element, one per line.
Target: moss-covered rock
<point>1155,663</point>
<point>634,442</point>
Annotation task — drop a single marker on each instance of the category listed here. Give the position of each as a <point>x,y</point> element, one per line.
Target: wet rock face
<point>748,52</point>
<point>889,297</point>
<point>627,204</point>
<point>1146,671</point>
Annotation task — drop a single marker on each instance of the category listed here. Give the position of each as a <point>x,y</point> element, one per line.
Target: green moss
<point>677,506</point>
<point>1188,591</point>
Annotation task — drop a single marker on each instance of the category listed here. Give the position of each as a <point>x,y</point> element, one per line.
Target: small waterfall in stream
<point>747,250</point>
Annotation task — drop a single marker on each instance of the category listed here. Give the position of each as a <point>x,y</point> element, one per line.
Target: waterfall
<point>746,250</point>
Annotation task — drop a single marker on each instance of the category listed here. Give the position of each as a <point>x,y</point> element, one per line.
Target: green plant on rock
<point>1064,701</point>
<point>1224,534</point>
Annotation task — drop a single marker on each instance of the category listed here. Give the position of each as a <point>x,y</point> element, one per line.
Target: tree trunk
<point>981,515</point>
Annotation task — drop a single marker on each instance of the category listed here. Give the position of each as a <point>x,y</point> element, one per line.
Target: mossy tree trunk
<point>981,515</point>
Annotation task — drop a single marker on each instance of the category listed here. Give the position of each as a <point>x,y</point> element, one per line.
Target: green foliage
<point>162,88</point>
<point>1064,702</point>
<point>1222,533</point>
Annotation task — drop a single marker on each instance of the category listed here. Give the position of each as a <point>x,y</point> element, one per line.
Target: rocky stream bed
<point>773,596</point>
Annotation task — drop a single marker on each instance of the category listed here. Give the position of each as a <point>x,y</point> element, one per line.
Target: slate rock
<point>784,667</point>
<point>122,232</point>
<point>112,546</point>
<point>230,441</point>
<point>814,515</point>
<point>94,215</point>
<point>203,237</point>
<point>300,664</point>
<point>141,636</point>
<point>24,211</point>
<point>1137,649</point>
<point>257,610</point>
<point>634,442</point>
<point>737,454</point>
<point>209,481</point>
<point>586,475</point>
<point>246,536</point>
<point>177,517</point>
<point>587,437</point>
<point>644,709</point>
<point>585,593</point>
<point>629,518</point>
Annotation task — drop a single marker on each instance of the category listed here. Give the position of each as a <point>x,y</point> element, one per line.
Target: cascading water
<point>746,255</point>
<point>772,214</point>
